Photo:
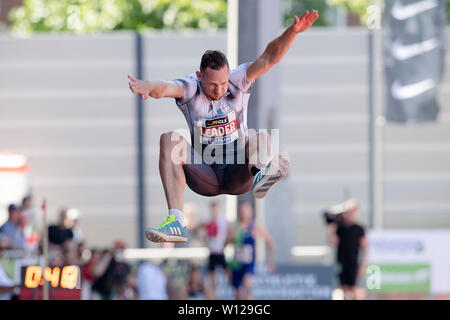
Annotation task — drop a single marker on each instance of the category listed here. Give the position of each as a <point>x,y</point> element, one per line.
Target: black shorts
<point>214,179</point>
<point>216,260</point>
<point>348,274</point>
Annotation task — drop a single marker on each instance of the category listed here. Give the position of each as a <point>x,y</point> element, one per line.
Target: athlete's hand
<point>140,87</point>
<point>305,21</point>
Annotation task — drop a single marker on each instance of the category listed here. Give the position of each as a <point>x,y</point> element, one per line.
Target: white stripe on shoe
<point>276,171</point>
<point>159,237</point>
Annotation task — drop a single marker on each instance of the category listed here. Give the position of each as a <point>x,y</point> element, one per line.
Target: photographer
<point>349,237</point>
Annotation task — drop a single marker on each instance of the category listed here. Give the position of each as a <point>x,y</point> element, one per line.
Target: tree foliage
<point>358,7</point>
<point>84,16</point>
<point>297,7</point>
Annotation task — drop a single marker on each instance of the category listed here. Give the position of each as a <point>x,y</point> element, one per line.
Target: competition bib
<point>244,254</point>
<point>218,131</point>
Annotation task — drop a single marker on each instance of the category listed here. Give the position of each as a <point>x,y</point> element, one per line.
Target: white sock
<point>179,215</point>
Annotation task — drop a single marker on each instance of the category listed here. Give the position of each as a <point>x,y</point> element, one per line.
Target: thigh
<point>213,262</point>
<point>258,149</point>
<point>237,179</point>
<point>223,262</point>
<point>237,277</point>
<point>200,177</point>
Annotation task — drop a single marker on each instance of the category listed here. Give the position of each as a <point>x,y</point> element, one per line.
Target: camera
<point>335,213</point>
<point>332,217</point>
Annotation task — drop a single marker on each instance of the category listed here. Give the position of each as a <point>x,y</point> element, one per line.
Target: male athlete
<point>220,158</point>
<point>243,236</point>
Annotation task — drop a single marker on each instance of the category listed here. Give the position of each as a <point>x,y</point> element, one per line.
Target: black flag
<point>414,58</point>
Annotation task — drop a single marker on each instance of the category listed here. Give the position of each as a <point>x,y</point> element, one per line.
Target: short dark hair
<point>213,59</point>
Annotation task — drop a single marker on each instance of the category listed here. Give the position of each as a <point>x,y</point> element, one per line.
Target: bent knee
<point>173,145</point>
<point>262,136</point>
<point>169,140</point>
<point>259,140</point>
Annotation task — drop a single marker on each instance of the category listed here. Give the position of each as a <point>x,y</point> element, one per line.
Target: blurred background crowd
<point>105,272</point>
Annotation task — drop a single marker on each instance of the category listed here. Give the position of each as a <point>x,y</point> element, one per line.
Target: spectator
<point>190,218</point>
<point>177,271</point>
<point>112,283</point>
<point>74,215</point>
<point>7,286</point>
<point>91,271</point>
<point>216,235</point>
<point>32,220</point>
<point>244,241</point>
<point>349,238</point>
<point>83,253</point>
<point>70,254</point>
<point>12,230</point>
<point>151,282</point>
<point>62,232</point>
<point>196,288</point>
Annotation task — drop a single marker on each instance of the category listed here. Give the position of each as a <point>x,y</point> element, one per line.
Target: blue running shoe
<point>266,178</point>
<point>169,231</point>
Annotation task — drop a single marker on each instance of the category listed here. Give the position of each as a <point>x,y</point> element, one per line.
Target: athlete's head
<point>215,211</point>
<point>213,74</point>
<point>245,212</point>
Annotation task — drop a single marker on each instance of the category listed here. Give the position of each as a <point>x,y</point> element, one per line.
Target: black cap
<point>12,207</point>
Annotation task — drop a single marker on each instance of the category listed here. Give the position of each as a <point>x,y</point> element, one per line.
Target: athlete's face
<point>245,212</point>
<point>215,212</point>
<point>214,82</point>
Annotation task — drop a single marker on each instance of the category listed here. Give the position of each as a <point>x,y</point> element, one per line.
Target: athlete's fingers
<point>131,78</point>
<point>314,16</point>
<point>302,17</point>
<point>311,17</point>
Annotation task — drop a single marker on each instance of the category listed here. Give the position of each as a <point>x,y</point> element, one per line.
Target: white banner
<point>413,249</point>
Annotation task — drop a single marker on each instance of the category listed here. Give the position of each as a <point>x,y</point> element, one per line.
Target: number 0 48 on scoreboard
<point>66,277</point>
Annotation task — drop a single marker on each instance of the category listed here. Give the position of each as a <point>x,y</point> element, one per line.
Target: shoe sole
<point>156,236</point>
<point>271,179</point>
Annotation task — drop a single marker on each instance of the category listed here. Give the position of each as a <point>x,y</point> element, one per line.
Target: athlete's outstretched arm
<point>278,47</point>
<point>155,89</point>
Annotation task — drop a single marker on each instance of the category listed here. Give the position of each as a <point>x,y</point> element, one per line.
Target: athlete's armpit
<point>258,67</point>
